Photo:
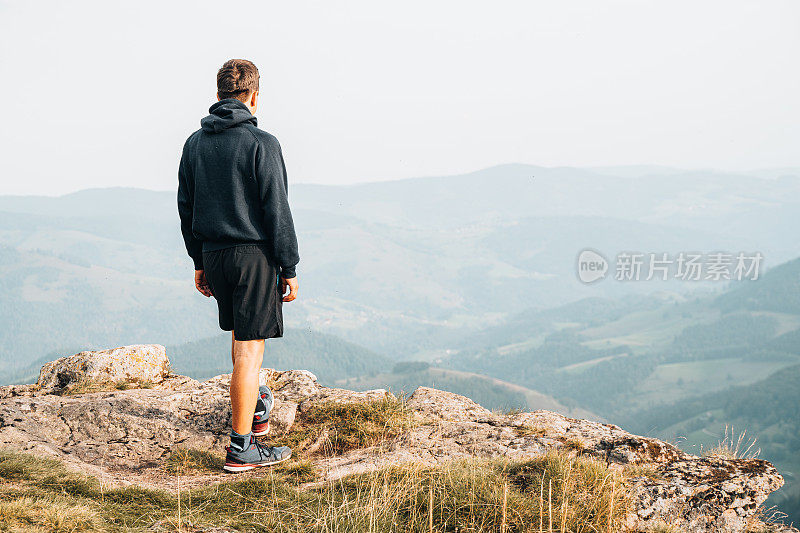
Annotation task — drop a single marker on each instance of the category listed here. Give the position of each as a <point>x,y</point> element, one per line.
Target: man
<point>238,230</point>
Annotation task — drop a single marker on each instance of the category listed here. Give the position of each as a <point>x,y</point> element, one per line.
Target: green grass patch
<point>694,378</point>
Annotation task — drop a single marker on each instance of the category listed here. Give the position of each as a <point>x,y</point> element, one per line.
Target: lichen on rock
<point>144,363</point>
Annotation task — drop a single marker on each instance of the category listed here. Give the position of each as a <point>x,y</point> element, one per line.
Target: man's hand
<point>293,287</point>
<point>201,283</point>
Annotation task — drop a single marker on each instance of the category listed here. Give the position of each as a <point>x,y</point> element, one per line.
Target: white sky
<point>101,94</point>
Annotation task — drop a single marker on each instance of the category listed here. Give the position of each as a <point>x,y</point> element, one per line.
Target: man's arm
<point>278,221</point>
<point>185,210</point>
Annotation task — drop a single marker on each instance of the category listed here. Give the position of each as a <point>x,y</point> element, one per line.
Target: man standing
<point>238,230</point>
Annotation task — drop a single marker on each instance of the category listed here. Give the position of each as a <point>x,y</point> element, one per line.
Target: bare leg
<point>247,359</point>
<point>233,343</point>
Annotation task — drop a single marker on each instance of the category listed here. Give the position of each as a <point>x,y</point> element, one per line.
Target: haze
<point>101,94</point>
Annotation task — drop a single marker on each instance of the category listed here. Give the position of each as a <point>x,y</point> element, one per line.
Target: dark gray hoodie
<point>232,188</point>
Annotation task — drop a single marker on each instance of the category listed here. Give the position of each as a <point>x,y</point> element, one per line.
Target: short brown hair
<point>237,78</point>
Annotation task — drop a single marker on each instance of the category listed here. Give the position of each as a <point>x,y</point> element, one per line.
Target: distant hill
<point>779,292</point>
<point>774,401</point>
<point>406,268</point>
<point>328,357</point>
<point>672,197</point>
<point>530,326</point>
<point>490,392</point>
<point>52,304</point>
<point>616,356</point>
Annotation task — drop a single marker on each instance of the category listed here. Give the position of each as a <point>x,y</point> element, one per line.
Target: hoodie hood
<point>226,114</point>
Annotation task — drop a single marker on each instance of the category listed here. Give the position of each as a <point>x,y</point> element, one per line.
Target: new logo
<point>591,266</point>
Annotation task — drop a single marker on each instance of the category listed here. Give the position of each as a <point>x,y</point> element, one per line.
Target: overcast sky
<point>102,94</point>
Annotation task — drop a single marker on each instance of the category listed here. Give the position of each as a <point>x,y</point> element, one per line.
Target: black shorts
<point>244,282</point>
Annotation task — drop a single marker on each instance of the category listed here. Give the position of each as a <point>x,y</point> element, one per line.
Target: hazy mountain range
<point>464,282</point>
<point>394,266</point>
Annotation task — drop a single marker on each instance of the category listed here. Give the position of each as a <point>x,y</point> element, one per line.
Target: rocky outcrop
<point>125,434</point>
<point>144,363</point>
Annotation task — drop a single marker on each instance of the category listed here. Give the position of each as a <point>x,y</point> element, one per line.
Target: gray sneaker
<point>263,408</point>
<point>255,455</point>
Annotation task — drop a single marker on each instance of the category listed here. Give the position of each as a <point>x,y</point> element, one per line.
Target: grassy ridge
<point>552,492</point>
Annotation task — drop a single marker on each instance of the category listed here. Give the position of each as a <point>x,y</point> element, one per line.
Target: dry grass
<point>335,428</point>
<point>46,513</point>
<point>573,494</point>
<point>299,471</point>
<point>186,461</point>
<point>734,446</point>
<point>86,386</point>
<point>766,520</point>
<point>41,495</point>
<point>530,431</point>
<point>554,492</point>
<point>576,444</point>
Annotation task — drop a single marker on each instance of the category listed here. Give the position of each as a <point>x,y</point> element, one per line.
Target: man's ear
<point>254,99</point>
<point>218,98</point>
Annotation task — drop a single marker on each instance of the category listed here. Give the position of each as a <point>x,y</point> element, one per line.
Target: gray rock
<point>138,362</point>
<point>124,433</point>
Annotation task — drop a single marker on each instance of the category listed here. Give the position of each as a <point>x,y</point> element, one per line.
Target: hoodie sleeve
<point>186,210</point>
<point>278,222</point>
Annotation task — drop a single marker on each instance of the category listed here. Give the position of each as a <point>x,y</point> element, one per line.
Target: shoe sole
<point>243,467</point>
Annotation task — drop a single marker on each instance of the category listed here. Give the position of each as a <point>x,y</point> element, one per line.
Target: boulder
<point>136,363</point>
